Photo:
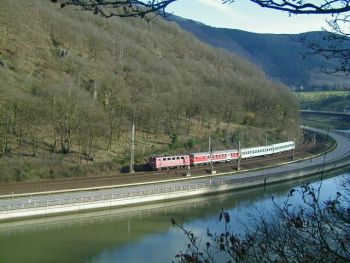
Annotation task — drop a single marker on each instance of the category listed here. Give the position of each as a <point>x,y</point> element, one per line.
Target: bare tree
<point>134,8</point>
<point>303,7</point>
<point>122,8</point>
<point>336,46</point>
<point>314,231</point>
<point>336,42</point>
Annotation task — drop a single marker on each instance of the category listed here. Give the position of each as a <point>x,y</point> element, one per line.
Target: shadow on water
<point>103,236</point>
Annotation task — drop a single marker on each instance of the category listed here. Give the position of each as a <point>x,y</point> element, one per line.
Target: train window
<point>164,159</point>
<point>173,158</point>
<point>177,158</point>
<point>182,158</point>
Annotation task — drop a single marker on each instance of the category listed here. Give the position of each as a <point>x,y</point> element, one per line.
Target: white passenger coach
<point>267,150</point>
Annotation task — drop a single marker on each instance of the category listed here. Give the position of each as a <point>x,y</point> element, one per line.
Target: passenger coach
<point>267,150</point>
<point>216,157</point>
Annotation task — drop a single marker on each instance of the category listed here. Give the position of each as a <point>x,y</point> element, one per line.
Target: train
<point>204,158</point>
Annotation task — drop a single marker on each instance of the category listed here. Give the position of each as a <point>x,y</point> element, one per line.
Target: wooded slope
<point>282,56</point>
<point>72,83</point>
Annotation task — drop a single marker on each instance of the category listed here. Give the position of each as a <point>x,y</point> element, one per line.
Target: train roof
<point>163,156</point>
<point>282,143</point>
<point>267,146</point>
<point>216,152</point>
<point>224,151</point>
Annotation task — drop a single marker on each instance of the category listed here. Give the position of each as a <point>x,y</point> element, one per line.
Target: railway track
<point>142,177</point>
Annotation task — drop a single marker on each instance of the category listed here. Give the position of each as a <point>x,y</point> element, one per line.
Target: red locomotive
<point>158,163</point>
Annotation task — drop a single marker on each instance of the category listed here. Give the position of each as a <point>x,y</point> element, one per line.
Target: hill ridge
<point>281,56</point>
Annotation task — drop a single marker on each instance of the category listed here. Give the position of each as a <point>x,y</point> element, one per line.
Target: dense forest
<point>283,57</point>
<point>72,84</point>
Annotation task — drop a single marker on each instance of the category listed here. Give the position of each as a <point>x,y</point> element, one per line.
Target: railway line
<point>136,194</point>
<point>144,177</point>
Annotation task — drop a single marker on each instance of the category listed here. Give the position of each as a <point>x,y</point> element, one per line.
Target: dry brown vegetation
<point>72,83</point>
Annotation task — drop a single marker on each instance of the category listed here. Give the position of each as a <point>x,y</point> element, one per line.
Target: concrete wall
<point>160,195</point>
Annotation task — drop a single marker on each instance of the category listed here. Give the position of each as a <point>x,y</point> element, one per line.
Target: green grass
<point>324,100</point>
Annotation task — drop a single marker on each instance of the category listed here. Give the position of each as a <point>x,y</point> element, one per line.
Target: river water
<point>134,235</point>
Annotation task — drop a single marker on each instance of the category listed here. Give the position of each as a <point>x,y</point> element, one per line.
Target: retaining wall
<point>159,194</point>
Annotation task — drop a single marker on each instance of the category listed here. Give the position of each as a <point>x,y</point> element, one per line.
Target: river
<point>145,235</point>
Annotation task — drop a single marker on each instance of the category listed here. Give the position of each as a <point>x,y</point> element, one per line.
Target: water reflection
<point>134,235</point>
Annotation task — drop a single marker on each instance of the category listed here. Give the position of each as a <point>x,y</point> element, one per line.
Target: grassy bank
<point>324,100</point>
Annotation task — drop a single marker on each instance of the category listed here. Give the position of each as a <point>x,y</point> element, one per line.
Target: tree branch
<point>303,7</point>
<point>121,8</point>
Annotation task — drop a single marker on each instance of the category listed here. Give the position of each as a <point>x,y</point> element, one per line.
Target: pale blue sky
<point>246,16</point>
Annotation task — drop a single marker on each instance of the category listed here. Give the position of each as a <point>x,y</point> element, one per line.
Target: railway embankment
<point>137,195</point>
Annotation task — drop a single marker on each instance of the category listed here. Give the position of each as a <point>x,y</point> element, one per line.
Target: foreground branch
<point>303,7</point>
<point>123,8</point>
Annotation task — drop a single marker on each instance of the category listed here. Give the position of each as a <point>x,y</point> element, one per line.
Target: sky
<point>247,16</point>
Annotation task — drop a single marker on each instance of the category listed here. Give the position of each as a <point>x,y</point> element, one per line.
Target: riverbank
<point>16,189</point>
<point>13,208</point>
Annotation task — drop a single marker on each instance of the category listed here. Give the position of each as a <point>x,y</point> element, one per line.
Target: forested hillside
<point>282,56</point>
<point>73,83</point>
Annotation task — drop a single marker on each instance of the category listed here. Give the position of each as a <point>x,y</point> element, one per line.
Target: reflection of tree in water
<point>315,230</point>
